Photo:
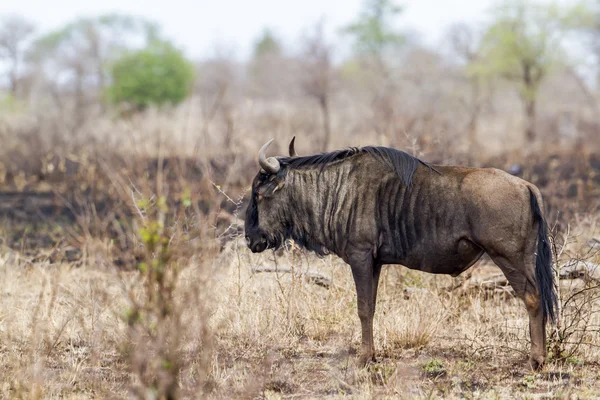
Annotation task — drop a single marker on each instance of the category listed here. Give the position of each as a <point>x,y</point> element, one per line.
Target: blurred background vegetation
<point>524,58</point>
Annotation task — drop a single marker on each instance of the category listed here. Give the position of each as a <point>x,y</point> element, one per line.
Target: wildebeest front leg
<point>364,274</point>
<point>376,273</point>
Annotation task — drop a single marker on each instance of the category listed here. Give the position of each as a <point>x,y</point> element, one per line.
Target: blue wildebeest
<point>376,205</point>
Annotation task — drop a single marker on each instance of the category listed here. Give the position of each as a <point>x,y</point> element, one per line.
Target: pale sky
<point>200,26</point>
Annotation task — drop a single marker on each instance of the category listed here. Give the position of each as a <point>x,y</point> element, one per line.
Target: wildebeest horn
<point>292,149</point>
<point>271,164</point>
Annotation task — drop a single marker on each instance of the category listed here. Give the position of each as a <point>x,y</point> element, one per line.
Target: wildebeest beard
<point>291,223</point>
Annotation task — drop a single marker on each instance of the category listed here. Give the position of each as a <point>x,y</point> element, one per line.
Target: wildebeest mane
<point>399,161</point>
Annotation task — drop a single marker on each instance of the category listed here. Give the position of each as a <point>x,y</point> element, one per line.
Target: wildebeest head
<point>266,225</point>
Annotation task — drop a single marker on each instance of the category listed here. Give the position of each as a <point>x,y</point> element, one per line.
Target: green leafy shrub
<point>156,75</point>
<point>434,368</point>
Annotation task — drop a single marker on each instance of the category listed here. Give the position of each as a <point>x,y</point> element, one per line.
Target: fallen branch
<point>574,273</point>
<point>492,282</point>
<point>581,269</point>
<point>311,277</point>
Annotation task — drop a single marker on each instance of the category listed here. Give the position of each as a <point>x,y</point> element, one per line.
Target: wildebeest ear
<point>269,189</point>
<point>279,186</point>
<point>291,149</point>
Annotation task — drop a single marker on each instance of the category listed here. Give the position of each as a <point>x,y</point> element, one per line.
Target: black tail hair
<point>543,263</point>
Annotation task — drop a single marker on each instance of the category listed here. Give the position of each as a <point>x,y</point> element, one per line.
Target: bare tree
<point>374,33</point>
<point>77,55</point>
<point>317,80</point>
<point>271,72</point>
<point>14,32</point>
<point>377,41</point>
<point>465,44</point>
<point>216,79</point>
<point>525,41</point>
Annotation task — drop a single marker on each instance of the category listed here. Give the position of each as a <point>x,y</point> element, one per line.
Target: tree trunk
<point>530,133</point>
<point>14,77</point>
<point>79,106</point>
<point>230,124</point>
<point>326,124</point>
<point>13,84</point>
<point>531,79</point>
<point>474,120</point>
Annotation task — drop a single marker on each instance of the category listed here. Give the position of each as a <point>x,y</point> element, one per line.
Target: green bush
<point>156,75</point>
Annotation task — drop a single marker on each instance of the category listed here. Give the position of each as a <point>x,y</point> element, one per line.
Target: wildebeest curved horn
<point>292,150</point>
<point>271,164</point>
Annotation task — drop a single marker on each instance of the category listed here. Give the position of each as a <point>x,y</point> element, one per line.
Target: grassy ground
<point>278,334</point>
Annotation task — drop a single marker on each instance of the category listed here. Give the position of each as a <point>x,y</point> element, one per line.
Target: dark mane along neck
<point>399,161</point>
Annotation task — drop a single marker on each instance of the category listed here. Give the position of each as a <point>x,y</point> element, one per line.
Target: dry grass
<point>274,335</point>
<point>64,331</point>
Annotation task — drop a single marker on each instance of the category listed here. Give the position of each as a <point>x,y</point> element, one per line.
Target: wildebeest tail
<point>543,262</point>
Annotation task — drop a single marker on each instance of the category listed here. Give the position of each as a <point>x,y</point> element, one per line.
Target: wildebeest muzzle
<point>256,242</point>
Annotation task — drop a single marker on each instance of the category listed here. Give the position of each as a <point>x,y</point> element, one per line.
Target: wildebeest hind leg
<point>521,275</point>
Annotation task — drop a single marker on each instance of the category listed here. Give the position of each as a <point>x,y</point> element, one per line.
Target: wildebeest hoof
<point>536,362</point>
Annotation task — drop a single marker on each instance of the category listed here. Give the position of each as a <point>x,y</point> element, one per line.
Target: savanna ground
<point>124,273</point>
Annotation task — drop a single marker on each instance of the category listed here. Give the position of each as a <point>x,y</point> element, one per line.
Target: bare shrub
<point>578,320</point>
<point>414,321</point>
